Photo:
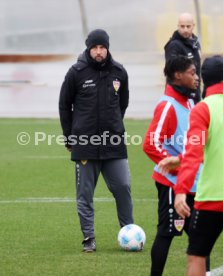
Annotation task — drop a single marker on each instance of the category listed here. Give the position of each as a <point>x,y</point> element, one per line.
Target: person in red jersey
<point>163,138</point>
<point>206,124</point>
<point>170,120</point>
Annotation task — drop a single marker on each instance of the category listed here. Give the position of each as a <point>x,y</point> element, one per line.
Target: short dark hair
<point>176,64</point>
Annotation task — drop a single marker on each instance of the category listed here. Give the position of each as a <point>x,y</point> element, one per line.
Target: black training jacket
<point>92,103</point>
<point>178,45</point>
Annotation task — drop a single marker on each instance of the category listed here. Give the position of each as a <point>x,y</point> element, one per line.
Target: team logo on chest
<point>179,224</point>
<point>116,85</point>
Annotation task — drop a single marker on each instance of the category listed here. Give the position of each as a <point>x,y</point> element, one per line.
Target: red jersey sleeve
<point>193,155</point>
<point>162,126</point>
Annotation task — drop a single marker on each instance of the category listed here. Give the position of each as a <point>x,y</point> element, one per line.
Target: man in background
<point>184,42</point>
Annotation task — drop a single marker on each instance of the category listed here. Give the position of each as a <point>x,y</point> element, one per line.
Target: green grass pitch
<point>39,227</point>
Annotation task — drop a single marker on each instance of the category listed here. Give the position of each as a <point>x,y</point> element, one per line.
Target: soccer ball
<point>131,237</point>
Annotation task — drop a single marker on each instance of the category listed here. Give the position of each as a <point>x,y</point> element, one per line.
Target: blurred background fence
<point>34,31</point>
<point>55,26</point>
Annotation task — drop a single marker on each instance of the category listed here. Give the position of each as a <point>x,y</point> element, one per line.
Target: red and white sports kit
<point>163,126</point>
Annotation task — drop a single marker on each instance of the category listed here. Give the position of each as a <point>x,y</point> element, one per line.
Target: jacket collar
<point>215,89</point>
<point>193,42</point>
<point>169,91</point>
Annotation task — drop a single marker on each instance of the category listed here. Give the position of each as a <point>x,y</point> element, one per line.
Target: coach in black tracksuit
<point>184,42</point>
<point>93,100</point>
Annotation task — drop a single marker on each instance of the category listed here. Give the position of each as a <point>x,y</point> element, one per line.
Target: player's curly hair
<point>175,64</point>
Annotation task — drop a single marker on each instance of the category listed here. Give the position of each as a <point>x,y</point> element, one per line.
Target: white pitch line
<point>38,157</point>
<point>217,271</point>
<point>62,200</point>
<point>47,157</point>
<point>27,121</point>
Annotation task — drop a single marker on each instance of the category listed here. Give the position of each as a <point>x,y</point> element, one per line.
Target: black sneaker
<point>89,245</point>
